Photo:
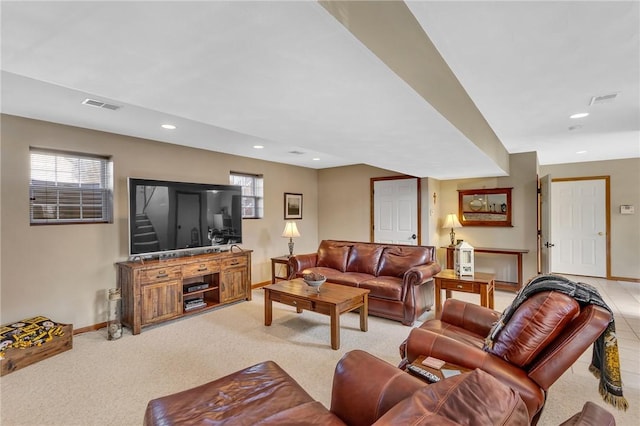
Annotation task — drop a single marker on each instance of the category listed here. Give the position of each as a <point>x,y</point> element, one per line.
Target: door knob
<point>601,233</point>
<point>548,245</point>
<point>414,236</point>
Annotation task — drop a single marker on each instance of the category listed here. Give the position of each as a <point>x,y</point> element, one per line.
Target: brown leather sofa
<point>399,277</point>
<point>366,391</point>
<point>544,337</point>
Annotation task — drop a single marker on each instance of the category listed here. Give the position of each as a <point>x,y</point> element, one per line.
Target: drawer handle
<point>162,275</point>
<point>202,269</point>
<point>295,303</point>
<point>459,286</point>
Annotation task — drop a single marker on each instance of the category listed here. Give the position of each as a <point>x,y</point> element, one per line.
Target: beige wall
<point>624,176</point>
<point>64,271</point>
<point>522,235</point>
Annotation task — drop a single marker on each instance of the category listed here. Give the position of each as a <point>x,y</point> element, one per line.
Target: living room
<point>64,272</point>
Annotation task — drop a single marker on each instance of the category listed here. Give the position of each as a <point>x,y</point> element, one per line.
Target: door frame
<point>372,206</point>
<point>607,213</point>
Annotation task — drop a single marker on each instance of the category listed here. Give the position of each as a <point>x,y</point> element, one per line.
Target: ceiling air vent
<point>296,152</point>
<point>603,99</point>
<point>99,104</point>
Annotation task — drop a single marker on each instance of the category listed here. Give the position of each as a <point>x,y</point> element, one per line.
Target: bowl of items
<point>314,280</point>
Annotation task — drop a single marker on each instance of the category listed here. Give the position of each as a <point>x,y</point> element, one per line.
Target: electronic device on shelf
<point>189,288</point>
<point>194,303</point>
<point>170,219</point>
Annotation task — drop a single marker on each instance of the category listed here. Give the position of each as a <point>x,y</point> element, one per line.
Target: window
<point>252,194</point>
<point>69,188</point>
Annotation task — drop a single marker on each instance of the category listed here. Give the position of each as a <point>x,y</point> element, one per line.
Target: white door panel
<point>395,208</point>
<point>579,227</point>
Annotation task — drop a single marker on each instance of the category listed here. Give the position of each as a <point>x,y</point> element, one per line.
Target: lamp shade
<point>290,230</point>
<point>451,221</point>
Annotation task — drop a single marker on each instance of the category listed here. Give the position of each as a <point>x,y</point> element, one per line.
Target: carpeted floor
<point>103,382</point>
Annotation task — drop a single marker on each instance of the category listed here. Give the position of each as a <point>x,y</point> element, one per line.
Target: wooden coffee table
<point>332,300</point>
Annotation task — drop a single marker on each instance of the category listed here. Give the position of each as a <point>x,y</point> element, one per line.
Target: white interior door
<point>395,211</point>
<point>579,227</point>
<point>546,244</point>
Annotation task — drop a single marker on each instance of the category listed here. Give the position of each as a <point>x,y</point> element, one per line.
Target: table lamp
<point>451,221</point>
<point>290,231</point>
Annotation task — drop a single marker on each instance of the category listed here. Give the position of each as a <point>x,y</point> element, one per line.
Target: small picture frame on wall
<point>292,206</point>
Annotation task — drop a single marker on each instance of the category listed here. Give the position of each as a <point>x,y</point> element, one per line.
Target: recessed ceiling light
<point>258,146</point>
<point>168,126</point>
<point>316,159</point>
<point>579,115</point>
<point>581,152</point>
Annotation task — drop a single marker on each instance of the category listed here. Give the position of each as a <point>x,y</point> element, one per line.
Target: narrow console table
<point>500,285</point>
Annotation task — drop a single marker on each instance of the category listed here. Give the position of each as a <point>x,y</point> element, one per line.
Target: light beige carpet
<point>101,382</point>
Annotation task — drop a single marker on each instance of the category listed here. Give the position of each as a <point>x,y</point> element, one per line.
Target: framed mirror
<point>485,207</point>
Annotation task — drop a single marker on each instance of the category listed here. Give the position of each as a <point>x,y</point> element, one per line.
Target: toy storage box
<point>38,339</point>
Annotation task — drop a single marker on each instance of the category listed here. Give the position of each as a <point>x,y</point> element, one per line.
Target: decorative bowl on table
<point>314,280</point>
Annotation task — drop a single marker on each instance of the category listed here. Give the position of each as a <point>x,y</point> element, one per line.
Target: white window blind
<point>69,188</point>
<point>252,193</point>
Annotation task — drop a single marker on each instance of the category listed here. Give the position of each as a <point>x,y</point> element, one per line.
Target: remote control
<point>427,375</point>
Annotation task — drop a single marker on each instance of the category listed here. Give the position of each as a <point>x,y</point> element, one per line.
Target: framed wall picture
<point>292,206</point>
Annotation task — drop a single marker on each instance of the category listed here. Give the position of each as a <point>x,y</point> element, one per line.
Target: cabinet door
<point>233,284</point>
<point>161,301</point>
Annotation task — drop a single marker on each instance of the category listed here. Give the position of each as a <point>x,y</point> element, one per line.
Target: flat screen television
<point>168,217</point>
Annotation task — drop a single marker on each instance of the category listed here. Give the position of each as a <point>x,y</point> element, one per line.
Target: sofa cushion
<point>333,254</point>
<point>364,258</point>
<point>469,398</point>
<point>384,287</point>
<point>536,322</point>
<point>396,260</point>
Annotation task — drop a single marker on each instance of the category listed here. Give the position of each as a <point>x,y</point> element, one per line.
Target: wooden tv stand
<point>155,291</point>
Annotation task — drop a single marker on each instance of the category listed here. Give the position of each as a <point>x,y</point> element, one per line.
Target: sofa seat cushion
<point>470,398</point>
<point>364,258</point>
<point>396,260</point>
<point>246,397</point>
<point>454,332</point>
<point>389,288</point>
<point>332,274</point>
<point>333,254</point>
<point>352,279</point>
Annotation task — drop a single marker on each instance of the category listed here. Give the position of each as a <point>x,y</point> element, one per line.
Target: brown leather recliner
<point>545,336</point>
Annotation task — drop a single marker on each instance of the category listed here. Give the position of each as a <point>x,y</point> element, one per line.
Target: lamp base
<point>452,234</point>
<point>290,247</point>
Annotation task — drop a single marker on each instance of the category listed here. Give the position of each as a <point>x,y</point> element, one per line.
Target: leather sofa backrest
<point>333,254</point>
<point>364,258</point>
<point>535,324</point>
<point>396,260</point>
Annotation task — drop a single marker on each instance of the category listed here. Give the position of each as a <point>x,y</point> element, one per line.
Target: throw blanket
<point>605,362</point>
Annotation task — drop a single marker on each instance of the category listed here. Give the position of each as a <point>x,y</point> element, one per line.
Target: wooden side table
<point>276,271</point>
<point>481,283</point>
<point>437,371</point>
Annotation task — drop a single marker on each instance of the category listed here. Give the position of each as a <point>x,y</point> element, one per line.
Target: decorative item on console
<point>114,322</point>
<point>463,259</point>
<point>451,221</point>
<point>290,231</point>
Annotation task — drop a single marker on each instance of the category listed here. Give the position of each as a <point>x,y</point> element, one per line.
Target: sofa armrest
<point>366,387</point>
<point>469,316</point>
<point>300,262</point>
<point>591,414</point>
<point>421,274</point>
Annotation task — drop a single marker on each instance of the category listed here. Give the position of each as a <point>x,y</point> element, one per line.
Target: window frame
<point>257,189</point>
<point>73,184</point>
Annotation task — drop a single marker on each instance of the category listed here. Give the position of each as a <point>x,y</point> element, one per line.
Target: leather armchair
<point>545,336</point>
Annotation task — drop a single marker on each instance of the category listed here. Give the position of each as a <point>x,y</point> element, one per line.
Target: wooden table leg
<point>438,302</point>
<point>335,328</point>
<point>492,293</point>
<point>484,295</point>
<point>364,314</point>
<point>268,307</point>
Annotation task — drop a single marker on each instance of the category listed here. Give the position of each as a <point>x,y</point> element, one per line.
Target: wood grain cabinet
<point>157,291</point>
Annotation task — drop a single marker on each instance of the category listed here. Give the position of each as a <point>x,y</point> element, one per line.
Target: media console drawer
<point>200,268</point>
<point>159,274</point>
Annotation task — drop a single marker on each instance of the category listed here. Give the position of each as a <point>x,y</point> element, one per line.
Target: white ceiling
<point>302,77</point>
